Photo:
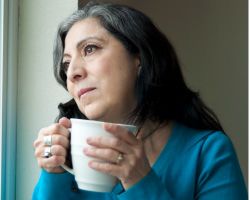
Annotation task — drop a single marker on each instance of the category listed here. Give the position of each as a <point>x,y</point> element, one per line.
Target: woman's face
<point>101,74</point>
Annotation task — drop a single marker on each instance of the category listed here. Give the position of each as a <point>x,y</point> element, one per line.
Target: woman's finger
<point>55,150</point>
<point>121,132</point>
<point>51,162</point>
<point>49,140</point>
<point>56,140</point>
<point>110,142</point>
<point>108,155</point>
<point>105,167</point>
<point>65,122</point>
<point>56,129</point>
<point>128,170</point>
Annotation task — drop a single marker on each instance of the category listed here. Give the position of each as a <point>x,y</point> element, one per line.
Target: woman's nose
<point>76,70</point>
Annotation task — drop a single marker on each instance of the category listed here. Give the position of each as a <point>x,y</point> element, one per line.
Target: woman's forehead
<point>87,27</point>
<point>85,30</point>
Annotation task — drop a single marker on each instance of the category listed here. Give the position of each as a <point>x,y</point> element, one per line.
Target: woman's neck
<point>155,137</point>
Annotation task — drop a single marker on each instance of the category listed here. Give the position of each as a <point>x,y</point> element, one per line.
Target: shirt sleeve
<point>150,188</point>
<point>53,186</point>
<point>219,172</point>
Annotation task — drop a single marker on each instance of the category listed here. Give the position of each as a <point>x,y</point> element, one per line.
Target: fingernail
<point>85,150</point>
<point>92,164</point>
<point>108,125</point>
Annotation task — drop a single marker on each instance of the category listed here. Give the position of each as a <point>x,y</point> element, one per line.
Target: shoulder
<point>217,150</point>
<point>192,136</point>
<point>204,139</point>
<point>217,141</point>
<point>212,149</point>
<point>210,161</point>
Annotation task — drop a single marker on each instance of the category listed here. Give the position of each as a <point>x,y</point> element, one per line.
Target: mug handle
<point>65,166</point>
<point>68,169</point>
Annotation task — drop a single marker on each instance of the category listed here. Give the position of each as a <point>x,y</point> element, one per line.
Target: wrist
<point>56,170</point>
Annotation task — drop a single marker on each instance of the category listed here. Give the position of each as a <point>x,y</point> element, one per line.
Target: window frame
<point>8,89</point>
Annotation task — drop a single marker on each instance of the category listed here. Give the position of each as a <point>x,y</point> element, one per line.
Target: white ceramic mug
<point>87,178</point>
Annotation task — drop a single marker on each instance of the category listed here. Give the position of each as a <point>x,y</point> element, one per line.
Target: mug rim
<point>101,122</point>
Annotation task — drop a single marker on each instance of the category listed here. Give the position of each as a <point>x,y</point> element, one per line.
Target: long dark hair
<point>161,91</point>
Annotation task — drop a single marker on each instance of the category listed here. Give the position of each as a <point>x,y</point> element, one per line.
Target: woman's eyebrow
<point>82,41</point>
<point>79,43</point>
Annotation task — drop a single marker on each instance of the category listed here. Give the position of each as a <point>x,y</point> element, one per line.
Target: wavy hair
<point>161,91</point>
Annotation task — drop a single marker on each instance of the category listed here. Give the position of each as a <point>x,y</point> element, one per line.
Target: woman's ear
<point>138,64</point>
<point>139,70</point>
<point>138,61</point>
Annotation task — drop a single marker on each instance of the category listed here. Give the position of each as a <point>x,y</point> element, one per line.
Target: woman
<point>118,67</point>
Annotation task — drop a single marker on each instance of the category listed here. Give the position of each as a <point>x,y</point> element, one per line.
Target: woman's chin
<point>98,117</point>
<point>92,114</point>
<point>95,113</point>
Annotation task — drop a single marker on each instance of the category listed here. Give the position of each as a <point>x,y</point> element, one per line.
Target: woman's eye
<point>65,66</point>
<point>89,49</point>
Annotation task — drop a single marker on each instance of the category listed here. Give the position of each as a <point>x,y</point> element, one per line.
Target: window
<point>8,85</point>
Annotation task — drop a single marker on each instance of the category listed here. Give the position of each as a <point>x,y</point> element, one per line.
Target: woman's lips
<point>84,91</point>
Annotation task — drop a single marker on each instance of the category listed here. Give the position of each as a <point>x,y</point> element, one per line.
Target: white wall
<point>38,92</point>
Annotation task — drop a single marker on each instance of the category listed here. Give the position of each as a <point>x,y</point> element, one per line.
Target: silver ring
<point>47,152</point>
<point>47,140</point>
<point>120,158</point>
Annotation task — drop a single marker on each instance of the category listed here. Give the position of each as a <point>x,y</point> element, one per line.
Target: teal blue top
<point>193,165</point>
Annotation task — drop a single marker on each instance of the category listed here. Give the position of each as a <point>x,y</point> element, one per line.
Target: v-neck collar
<point>168,148</point>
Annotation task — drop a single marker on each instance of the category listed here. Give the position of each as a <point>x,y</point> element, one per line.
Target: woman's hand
<point>59,134</point>
<point>132,166</point>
